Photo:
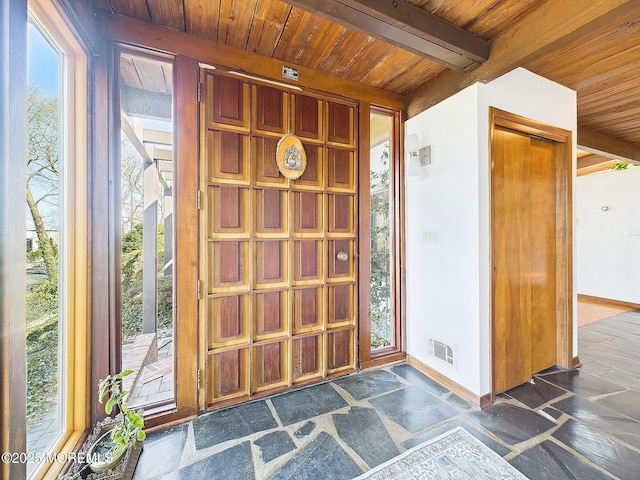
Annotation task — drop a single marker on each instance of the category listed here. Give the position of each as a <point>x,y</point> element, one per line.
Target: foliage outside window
<point>381,302</point>
<point>620,165</point>
<point>132,203</point>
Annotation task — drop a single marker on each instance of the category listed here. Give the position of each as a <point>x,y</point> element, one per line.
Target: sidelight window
<point>380,309</point>
<point>146,227</point>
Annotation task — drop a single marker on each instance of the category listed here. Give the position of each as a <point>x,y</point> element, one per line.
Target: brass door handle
<point>342,256</point>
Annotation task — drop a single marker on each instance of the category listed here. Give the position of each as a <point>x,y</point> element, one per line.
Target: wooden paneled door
<point>528,238</point>
<point>278,256</point>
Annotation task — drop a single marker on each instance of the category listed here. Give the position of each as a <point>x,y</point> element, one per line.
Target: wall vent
<point>442,351</point>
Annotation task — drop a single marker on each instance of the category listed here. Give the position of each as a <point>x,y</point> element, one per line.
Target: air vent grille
<point>442,351</point>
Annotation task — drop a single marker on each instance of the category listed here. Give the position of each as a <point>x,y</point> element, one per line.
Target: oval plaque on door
<point>291,157</point>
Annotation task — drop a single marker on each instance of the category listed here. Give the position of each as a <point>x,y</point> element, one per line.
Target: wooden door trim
<point>564,231</point>
<point>364,239</point>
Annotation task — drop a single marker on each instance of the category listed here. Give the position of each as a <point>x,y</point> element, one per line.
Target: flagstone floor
<point>581,424</point>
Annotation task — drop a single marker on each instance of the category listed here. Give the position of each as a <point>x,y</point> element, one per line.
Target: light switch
<point>430,236</point>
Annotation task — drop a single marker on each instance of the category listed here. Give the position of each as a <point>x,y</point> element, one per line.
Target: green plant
<point>132,288</point>
<point>130,429</point>
<point>620,166</point>
<point>380,311</point>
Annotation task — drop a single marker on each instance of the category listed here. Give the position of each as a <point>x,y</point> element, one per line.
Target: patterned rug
<point>454,455</point>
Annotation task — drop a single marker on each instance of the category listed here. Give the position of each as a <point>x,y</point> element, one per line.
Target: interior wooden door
<point>278,262</point>
<point>524,257</point>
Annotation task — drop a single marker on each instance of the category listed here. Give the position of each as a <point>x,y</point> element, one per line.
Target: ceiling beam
<point>599,165</point>
<point>136,32</point>
<point>599,143</point>
<point>592,160</point>
<point>406,26</point>
<point>555,24</point>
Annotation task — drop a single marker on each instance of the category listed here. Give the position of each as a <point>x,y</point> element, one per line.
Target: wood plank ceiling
<point>591,47</point>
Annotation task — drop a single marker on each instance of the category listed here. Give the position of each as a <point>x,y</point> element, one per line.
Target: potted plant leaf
<point>113,448</point>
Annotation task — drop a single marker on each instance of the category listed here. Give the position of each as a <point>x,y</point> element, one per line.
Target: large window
<point>55,252</point>
<point>46,281</point>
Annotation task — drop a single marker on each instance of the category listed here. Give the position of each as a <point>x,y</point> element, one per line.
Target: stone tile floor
<point>581,424</point>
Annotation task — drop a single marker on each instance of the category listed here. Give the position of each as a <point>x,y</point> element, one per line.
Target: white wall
<point>448,281</point>
<point>608,259</point>
<point>442,278</point>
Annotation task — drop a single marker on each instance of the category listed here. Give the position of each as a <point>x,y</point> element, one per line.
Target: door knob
<point>342,256</point>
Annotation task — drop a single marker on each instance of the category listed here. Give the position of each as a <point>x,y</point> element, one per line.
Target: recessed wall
<point>448,279</point>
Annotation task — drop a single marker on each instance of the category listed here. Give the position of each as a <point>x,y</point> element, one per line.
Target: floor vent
<point>442,351</point>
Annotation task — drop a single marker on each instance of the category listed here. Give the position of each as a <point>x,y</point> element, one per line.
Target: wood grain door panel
<point>228,320</point>
<point>307,358</point>
<point>229,100</point>
<point>279,304</point>
<point>271,264</point>
<point>308,217</point>
<point>271,212</point>
<point>308,115</point>
<point>543,254</point>
<point>340,348</point>
<point>341,124</point>
<point>230,207</point>
<point>341,213</point>
<point>270,366</point>
<point>227,374</point>
<point>307,262</point>
<point>511,290</point>
<point>313,176</point>
<point>228,157</point>
<point>228,265</point>
<point>523,255</point>
<point>308,310</point>
<point>271,110</point>
<point>265,170</point>
<point>270,314</point>
<point>341,301</point>
<point>341,168</point>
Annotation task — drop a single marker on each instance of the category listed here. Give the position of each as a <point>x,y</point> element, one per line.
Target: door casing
<point>563,228</point>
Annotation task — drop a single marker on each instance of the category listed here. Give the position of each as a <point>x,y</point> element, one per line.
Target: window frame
<point>167,406</point>
<point>396,352</point>
<point>74,203</point>
<point>105,265</point>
